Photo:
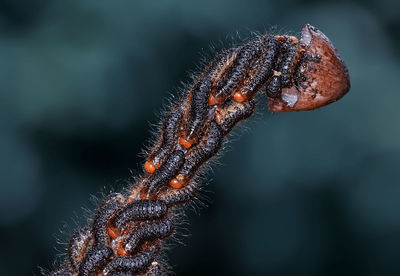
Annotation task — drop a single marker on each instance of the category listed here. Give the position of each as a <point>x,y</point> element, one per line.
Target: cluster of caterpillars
<point>127,233</point>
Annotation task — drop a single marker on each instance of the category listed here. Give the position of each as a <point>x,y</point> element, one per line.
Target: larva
<point>223,63</point>
<point>169,169</point>
<point>239,70</point>
<point>289,62</point>
<point>147,209</point>
<point>262,69</point>
<point>179,194</point>
<point>284,70</point>
<point>95,260</point>
<point>198,111</point>
<point>200,97</point>
<point>133,264</point>
<point>228,117</point>
<point>274,87</point>
<point>197,155</point>
<point>103,216</point>
<point>77,246</point>
<point>125,236</point>
<point>149,232</point>
<point>169,134</point>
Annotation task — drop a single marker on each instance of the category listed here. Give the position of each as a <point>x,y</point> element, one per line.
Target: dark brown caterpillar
<point>169,135</point>
<point>262,70</point>
<point>169,169</point>
<point>149,232</point>
<point>290,59</point>
<point>128,231</point>
<point>238,72</point>
<point>179,194</point>
<point>80,240</point>
<point>274,87</point>
<point>228,117</point>
<point>199,154</point>
<point>199,98</point>
<point>95,260</point>
<point>105,213</point>
<point>147,209</point>
<point>133,264</point>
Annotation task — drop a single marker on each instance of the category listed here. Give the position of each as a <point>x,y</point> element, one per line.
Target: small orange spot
<point>113,232</point>
<point>238,97</point>
<point>190,98</point>
<point>100,274</point>
<point>149,167</point>
<point>182,179</point>
<point>212,100</point>
<point>219,114</point>
<point>121,251</point>
<point>280,38</point>
<point>185,143</point>
<point>175,183</point>
<point>294,39</point>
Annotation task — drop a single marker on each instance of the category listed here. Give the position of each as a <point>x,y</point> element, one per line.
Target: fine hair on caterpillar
<point>128,232</point>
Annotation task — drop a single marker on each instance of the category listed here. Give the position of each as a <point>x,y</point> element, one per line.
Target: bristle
<point>128,231</point>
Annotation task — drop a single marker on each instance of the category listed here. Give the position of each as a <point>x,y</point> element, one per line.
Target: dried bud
<point>326,78</point>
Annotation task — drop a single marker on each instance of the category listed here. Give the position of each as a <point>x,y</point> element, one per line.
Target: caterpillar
<point>128,232</point>
<point>145,209</point>
<point>130,264</point>
<point>77,247</point>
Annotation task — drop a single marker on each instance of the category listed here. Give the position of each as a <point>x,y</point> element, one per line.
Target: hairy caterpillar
<point>127,233</point>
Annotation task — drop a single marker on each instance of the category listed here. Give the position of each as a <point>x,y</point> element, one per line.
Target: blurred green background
<point>312,193</point>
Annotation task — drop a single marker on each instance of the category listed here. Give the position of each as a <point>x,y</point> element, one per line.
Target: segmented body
<point>128,230</point>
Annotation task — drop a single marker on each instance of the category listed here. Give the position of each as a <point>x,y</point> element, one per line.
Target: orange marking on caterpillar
<point>185,143</point>
<point>113,232</point>
<point>175,183</point>
<point>211,100</point>
<point>181,180</point>
<point>149,167</point>
<point>238,97</point>
<point>121,251</point>
<point>280,38</point>
<point>294,39</point>
<point>219,114</point>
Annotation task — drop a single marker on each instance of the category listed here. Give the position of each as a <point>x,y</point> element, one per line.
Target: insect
<point>127,234</point>
<point>167,171</point>
<point>147,209</point>
<point>95,260</point>
<point>167,140</point>
<point>105,213</point>
<point>130,264</point>
<point>149,232</point>
<point>80,240</point>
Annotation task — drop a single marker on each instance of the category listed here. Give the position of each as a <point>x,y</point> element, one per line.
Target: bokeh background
<point>312,193</point>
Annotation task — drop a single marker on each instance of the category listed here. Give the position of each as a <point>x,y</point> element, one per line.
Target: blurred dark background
<point>312,193</point>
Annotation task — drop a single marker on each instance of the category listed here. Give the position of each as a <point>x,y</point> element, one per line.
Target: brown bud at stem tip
<point>325,76</point>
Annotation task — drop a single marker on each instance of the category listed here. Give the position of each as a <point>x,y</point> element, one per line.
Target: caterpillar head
<point>321,77</point>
